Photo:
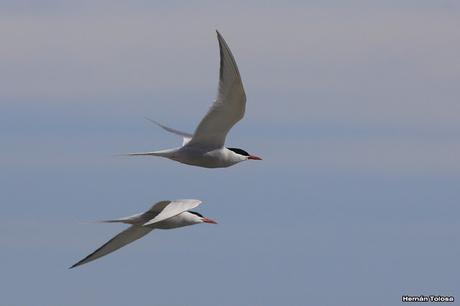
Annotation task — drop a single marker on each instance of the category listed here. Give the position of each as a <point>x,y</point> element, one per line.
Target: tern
<point>205,147</point>
<point>162,215</point>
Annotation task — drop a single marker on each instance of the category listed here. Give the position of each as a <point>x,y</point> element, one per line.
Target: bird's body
<point>181,220</point>
<point>205,147</point>
<point>162,215</point>
<point>201,156</point>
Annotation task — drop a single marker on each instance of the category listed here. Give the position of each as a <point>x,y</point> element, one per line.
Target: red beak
<point>254,157</point>
<point>207,220</point>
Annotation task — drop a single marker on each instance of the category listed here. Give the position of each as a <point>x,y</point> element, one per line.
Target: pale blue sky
<point>354,108</point>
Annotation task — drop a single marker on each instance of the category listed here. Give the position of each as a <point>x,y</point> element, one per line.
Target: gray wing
<point>139,219</point>
<point>229,106</point>
<point>173,209</point>
<point>185,136</point>
<point>127,236</point>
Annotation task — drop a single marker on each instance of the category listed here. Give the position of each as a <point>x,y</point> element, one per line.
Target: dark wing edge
<point>127,236</point>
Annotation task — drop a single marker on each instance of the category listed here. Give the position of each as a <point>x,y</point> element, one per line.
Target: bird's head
<point>243,154</point>
<point>199,218</point>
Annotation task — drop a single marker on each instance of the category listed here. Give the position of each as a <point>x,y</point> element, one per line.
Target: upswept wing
<point>185,136</point>
<point>127,236</point>
<point>173,209</point>
<point>140,219</point>
<point>229,106</point>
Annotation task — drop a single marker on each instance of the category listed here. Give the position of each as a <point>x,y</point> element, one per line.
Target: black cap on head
<point>195,213</point>
<point>239,151</point>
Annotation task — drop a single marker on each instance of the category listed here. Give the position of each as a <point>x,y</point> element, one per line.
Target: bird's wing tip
<point>151,120</point>
<point>117,155</point>
<point>194,201</point>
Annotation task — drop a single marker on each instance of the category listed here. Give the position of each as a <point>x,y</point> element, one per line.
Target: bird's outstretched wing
<point>127,236</point>
<point>185,136</point>
<point>141,218</point>
<point>173,209</point>
<point>229,106</point>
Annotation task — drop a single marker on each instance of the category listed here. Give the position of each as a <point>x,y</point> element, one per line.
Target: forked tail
<point>163,153</point>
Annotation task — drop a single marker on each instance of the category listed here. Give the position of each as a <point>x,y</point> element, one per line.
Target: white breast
<point>183,219</point>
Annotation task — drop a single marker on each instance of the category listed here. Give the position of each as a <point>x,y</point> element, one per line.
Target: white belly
<point>180,220</point>
<point>218,158</point>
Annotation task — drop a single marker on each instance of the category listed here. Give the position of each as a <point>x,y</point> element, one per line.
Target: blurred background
<point>353,106</point>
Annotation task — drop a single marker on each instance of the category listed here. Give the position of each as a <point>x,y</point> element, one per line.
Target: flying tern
<point>162,215</point>
<point>205,147</point>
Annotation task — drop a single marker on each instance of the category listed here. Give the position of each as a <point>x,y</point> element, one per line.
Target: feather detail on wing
<point>141,218</point>
<point>185,136</point>
<point>127,236</point>
<point>229,106</point>
<point>173,209</point>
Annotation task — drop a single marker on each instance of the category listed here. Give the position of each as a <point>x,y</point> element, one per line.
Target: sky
<point>354,108</point>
